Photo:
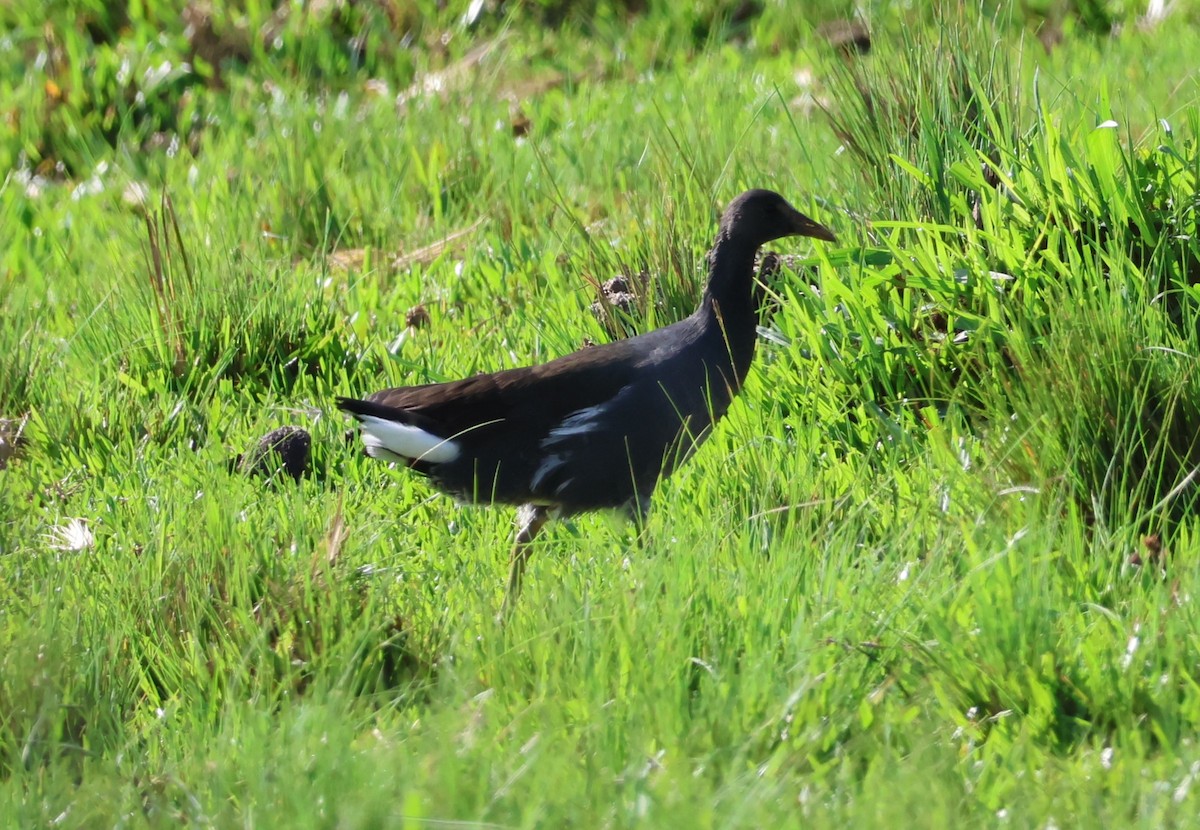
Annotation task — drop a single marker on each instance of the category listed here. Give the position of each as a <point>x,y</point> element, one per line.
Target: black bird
<point>597,428</point>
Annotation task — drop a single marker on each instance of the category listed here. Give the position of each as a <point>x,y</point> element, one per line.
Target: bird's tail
<point>360,409</point>
<point>390,434</point>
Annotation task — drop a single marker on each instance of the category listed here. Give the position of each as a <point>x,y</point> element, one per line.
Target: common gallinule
<point>597,428</point>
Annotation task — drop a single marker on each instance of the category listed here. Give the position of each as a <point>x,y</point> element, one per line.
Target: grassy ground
<point>935,569</point>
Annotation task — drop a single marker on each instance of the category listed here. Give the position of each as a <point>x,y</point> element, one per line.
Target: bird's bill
<point>812,228</point>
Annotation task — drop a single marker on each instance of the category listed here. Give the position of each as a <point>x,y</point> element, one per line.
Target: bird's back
<point>594,429</point>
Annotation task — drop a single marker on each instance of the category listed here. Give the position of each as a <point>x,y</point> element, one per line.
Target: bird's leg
<point>530,520</point>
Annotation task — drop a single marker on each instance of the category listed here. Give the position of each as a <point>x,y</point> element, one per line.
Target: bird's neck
<point>731,300</point>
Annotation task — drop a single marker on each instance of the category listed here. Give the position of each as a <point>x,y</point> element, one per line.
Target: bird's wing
<point>533,396</point>
<point>586,440</point>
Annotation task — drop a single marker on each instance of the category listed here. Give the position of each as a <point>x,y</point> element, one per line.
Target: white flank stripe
<point>403,442</point>
<point>583,421</point>
<point>549,464</point>
<point>578,423</point>
<point>563,441</point>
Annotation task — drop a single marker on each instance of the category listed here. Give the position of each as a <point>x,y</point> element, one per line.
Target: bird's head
<point>760,216</point>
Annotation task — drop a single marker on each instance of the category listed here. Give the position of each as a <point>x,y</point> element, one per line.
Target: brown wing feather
<point>545,393</point>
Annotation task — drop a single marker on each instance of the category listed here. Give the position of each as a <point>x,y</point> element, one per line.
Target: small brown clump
<point>12,439</point>
<point>1152,552</point>
<point>520,124</point>
<point>768,268</point>
<point>282,450</point>
<point>417,317</point>
<point>621,293</point>
<point>850,37</point>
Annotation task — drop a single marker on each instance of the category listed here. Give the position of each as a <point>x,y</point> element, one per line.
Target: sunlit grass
<point>932,570</point>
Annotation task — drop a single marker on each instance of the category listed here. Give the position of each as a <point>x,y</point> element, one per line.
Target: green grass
<point>934,569</point>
